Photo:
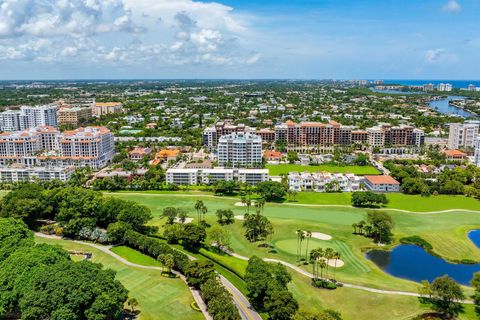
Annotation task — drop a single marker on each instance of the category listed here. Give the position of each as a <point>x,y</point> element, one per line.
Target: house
<point>454,155</point>
<point>139,153</point>
<point>272,155</point>
<point>382,183</point>
<point>165,155</point>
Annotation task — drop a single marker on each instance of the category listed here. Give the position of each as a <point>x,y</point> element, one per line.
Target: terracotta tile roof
<point>381,179</point>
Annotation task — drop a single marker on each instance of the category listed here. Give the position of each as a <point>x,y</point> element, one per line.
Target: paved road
<point>106,249</point>
<point>347,285</point>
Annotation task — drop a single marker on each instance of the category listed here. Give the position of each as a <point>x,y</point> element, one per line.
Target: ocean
<point>455,83</point>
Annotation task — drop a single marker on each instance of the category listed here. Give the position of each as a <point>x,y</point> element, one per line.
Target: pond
<point>414,263</point>
<point>474,236</point>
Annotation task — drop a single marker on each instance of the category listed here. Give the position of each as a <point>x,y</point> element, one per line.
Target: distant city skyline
<point>232,39</point>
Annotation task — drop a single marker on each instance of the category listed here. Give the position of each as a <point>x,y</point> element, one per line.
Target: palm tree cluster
<point>320,261</point>
<point>302,235</point>
<point>201,210</point>
<point>362,228</point>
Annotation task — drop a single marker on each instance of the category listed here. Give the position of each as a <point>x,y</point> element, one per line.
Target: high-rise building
<point>239,150</point>
<point>74,116</point>
<point>448,87</point>
<point>90,146</point>
<point>471,87</point>
<point>102,108</point>
<point>441,87</point>
<point>428,87</point>
<point>477,153</point>
<point>28,117</point>
<point>463,135</point>
<point>212,134</point>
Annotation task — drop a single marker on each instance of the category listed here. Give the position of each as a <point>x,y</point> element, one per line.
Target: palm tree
<point>248,203</point>
<point>261,203</point>
<point>368,230</point>
<point>308,235</point>
<point>336,256</point>
<point>198,206</point>
<point>299,233</point>
<point>302,237</point>
<point>323,265</point>
<point>354,226</point>
<point>360,226</point>
<point>328,255</point>
<point>315,255</point>
<point>203,211</point>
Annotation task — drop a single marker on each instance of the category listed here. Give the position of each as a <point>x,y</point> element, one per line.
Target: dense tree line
<point>200,274</point>
<point>267,289</point>
<point>41,282</point>
<point>368,199</point>
<point>78,212</point>
<point>458,180</point>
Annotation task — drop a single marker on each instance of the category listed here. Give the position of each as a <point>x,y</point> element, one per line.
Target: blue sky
<point>389,39</point>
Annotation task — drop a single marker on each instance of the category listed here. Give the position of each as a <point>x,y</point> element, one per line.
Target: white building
<point>240,150</point>
<point>463,135</point>
<point>46,146</point>
<point>323,181</point>
<point>382,183</point>
<point>28,117</point>
<point>210,176</point>
<point>477,153</point>
<point>19,173</point>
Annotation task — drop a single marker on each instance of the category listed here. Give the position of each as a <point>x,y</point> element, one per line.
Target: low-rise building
<point>139,153</point>
<point>323,181</point>
<point>271,155</point>
<point>209,176</point>
<point>165,155</point>
<point>454,155</point>
<point>381,183</point>
<point>21,173</point>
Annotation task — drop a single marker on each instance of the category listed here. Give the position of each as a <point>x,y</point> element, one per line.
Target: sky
<point>239,39</point>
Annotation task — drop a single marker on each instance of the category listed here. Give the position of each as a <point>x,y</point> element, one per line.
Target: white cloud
<point>452,6</point>
<point>440,56</point>
<point>123,31</point>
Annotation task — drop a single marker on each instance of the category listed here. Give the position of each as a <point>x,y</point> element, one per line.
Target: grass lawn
<point>447,232</point>
<point>135,256</point>
<point>414,203</point>
<point>158,297</point>
<point>278,169</point>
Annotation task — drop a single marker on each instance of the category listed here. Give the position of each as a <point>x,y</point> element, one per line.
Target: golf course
<point>442,226</point>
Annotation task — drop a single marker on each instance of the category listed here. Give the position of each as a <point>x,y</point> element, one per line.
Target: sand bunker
<point>339,264</point>
<point>241,204</point>
<point>187,220</point>
<point>240,217</point>
<point>321,236</point>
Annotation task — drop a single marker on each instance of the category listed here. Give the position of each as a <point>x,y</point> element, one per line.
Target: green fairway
<point>135,256</point>
<point>158,297</point>
<point>278,169</point>
<point>447,232</point>
<point>414,203</point>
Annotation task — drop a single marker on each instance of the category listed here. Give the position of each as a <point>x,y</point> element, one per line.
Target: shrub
<point>416,240</point>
